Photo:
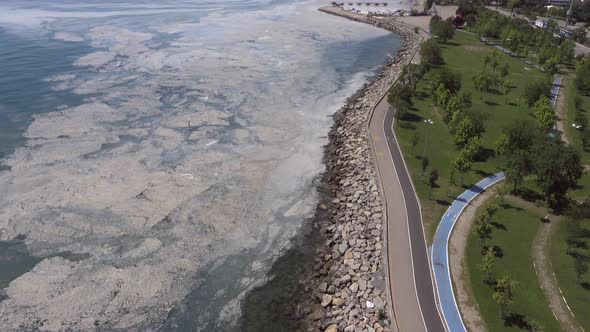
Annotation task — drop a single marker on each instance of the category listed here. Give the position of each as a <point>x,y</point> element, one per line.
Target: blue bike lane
<point>440,252</point>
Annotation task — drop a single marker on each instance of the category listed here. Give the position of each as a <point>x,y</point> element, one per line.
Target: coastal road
<point>409,275</point>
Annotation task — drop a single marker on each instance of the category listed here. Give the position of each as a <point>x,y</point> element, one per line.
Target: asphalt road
<point>408,267</point>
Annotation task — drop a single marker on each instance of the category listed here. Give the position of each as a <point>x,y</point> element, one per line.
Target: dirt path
<point>560,121</point>
<point>547,280</point>
<point>457,247</point>
<point>544,269</point>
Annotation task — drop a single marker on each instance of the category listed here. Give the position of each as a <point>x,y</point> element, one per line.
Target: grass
<point>574,135</point>
<point>514,231</point>
<point>578,297</point>
<point>581,192</point>
<point>465,55</point>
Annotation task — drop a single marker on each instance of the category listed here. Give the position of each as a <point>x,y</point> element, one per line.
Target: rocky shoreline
<point>348,287</point>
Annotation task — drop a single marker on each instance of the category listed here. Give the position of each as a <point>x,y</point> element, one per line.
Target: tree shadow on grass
<point>498,252</point>
<point>529,195</point>
<point>421,95</point>
<point>442,202</point>
<point>407,125</point>
<point>498,225</point>
<point>413,117</point>
<point>518,320</point>
<point>512,104</point>
<point>508,206</point>
<point>577,186</point>
<point>491,103</point>
<point>482,173</point>
<point>483,154</point>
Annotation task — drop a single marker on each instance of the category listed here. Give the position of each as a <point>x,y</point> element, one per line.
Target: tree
<point>432,180</point>
<point>581,11</point>
<point>550,66</point>
<point>579,35</point>
<point>487,264</point>
<point>501,145</point>
<point>486,60</point>
<point>581,267</point>
<point>551,24</point>
<point>448,79</point>
<point>482,82</point>
<point>470,20</point>
<point>431,53</point>
<point>492,207</point>
<point>504,293</point>
<point>522,135</point>
<point>566,51</point>
<point>507,86</point>
<point>401,95</point>
<point>445,30</point>
<point>482,229</point>
<point>558,169</point>
<point>466,99</point>
<point>472,147</point>
<point>535,90</point>
<point>441,95</point>
<point>583,76</point>
<point>462,164</point>
<point>544,113</point>
<point>425,163</point>
<point>547,52</point>
<point>517,168</point>
<point>400,112</point>
<point>442,30</point>
<point>452,110</point>
<point>464,160</point>
<point>464,132</point>
<point>504,70</point>
<point>411,74</point>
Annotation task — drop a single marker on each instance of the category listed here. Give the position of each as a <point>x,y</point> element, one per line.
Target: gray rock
<point>378,302</point>
<point>326,300</point>
<point>362,284</point>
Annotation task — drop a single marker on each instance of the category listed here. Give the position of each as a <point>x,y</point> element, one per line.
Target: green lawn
<point>578,297</point>
<point>573,134</point>
<point>581,193</point>
<point>514,231</point>
<point>465,55</point>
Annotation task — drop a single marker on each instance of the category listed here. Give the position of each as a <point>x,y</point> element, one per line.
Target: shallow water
<point>174,154</point>
<point>25,61</point>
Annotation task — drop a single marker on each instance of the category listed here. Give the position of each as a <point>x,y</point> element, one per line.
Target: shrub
<point>535,90</point>
<point>583,76</point>
<point>431,53</point>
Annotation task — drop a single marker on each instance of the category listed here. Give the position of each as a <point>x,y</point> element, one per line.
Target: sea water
<point>171,149</point>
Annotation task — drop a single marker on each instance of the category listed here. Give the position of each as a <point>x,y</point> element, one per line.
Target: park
<point>482,101</point>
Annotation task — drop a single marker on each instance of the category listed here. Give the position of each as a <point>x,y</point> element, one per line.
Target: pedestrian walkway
<point>555,89</point>
<point>509,52</point>
<point>440,252</point>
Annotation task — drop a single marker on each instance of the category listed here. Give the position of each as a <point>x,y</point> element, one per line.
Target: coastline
<point>347,282</point>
